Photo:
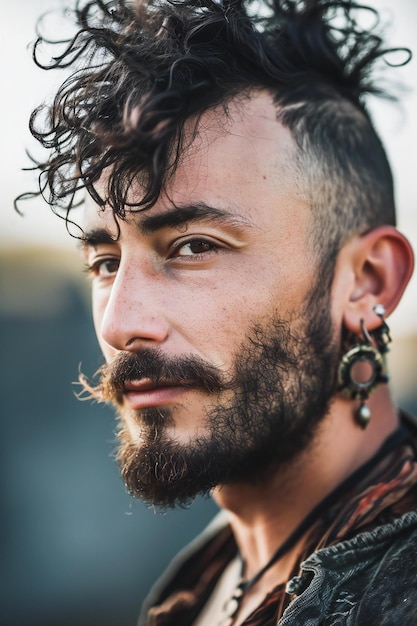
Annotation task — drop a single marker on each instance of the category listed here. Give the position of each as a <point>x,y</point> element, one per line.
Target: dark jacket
<point>370,580</point>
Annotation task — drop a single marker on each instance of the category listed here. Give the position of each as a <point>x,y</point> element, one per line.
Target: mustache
<point>187,371</point>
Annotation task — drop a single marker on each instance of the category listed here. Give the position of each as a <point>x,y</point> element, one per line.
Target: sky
<point>25,86</point>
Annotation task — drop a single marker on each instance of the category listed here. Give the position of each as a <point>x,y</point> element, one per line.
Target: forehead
<point>242,162</point>
<point>243,149</point>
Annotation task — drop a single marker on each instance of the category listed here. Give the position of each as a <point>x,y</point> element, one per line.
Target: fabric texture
<point>359,565</point>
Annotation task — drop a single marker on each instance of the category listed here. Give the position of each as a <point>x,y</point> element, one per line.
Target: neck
<point>263,515</point>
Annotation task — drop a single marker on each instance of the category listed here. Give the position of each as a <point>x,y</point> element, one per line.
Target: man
<point>239,230</point>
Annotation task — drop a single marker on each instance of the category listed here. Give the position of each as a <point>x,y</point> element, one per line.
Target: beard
<point>259,417</point>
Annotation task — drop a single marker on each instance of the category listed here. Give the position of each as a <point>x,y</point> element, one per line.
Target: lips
<point>145,384</point>
<point>145,393</point>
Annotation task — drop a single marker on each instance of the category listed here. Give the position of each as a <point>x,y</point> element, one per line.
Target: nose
<point>131,314</point>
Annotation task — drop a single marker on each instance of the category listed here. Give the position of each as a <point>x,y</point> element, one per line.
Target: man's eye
<point>103,268</point>
<point>195,247</point>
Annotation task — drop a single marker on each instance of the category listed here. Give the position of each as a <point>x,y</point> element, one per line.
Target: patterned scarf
<point>379,497</point>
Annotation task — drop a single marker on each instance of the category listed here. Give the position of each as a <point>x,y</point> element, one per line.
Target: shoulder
<point>183,565</point>
<point>368,580</point>
<point>389,593</point>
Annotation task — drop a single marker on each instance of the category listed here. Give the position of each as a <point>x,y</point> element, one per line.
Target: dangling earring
<point>363,367</point>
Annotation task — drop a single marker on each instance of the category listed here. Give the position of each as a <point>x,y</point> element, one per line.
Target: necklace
<point>232,605</point>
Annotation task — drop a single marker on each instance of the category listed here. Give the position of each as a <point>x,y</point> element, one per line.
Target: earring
<point>363,367</point>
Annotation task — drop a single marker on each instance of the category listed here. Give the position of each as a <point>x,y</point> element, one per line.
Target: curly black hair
<point>142,69</point>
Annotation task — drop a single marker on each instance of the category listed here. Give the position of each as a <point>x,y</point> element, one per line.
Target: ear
<point>382,263</point>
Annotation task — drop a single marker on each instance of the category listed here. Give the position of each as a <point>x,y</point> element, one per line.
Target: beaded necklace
<point>232,605</point>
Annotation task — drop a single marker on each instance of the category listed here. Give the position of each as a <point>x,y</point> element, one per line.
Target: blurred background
<point>75,549</point>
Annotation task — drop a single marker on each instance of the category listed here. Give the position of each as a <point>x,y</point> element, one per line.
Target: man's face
<point>219,345</point>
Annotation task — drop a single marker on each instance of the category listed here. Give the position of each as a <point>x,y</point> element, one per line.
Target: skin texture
<point>161,296</point>
<point>153,289</point>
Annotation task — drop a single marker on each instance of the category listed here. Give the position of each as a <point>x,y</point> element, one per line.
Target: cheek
<point>218,318</point>
<point>98,311</point>
<point>223,314</point>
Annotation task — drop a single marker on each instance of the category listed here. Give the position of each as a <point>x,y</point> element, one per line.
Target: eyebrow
<point>172,218</point>
<point>180,215</point>
<point>97,236</point>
